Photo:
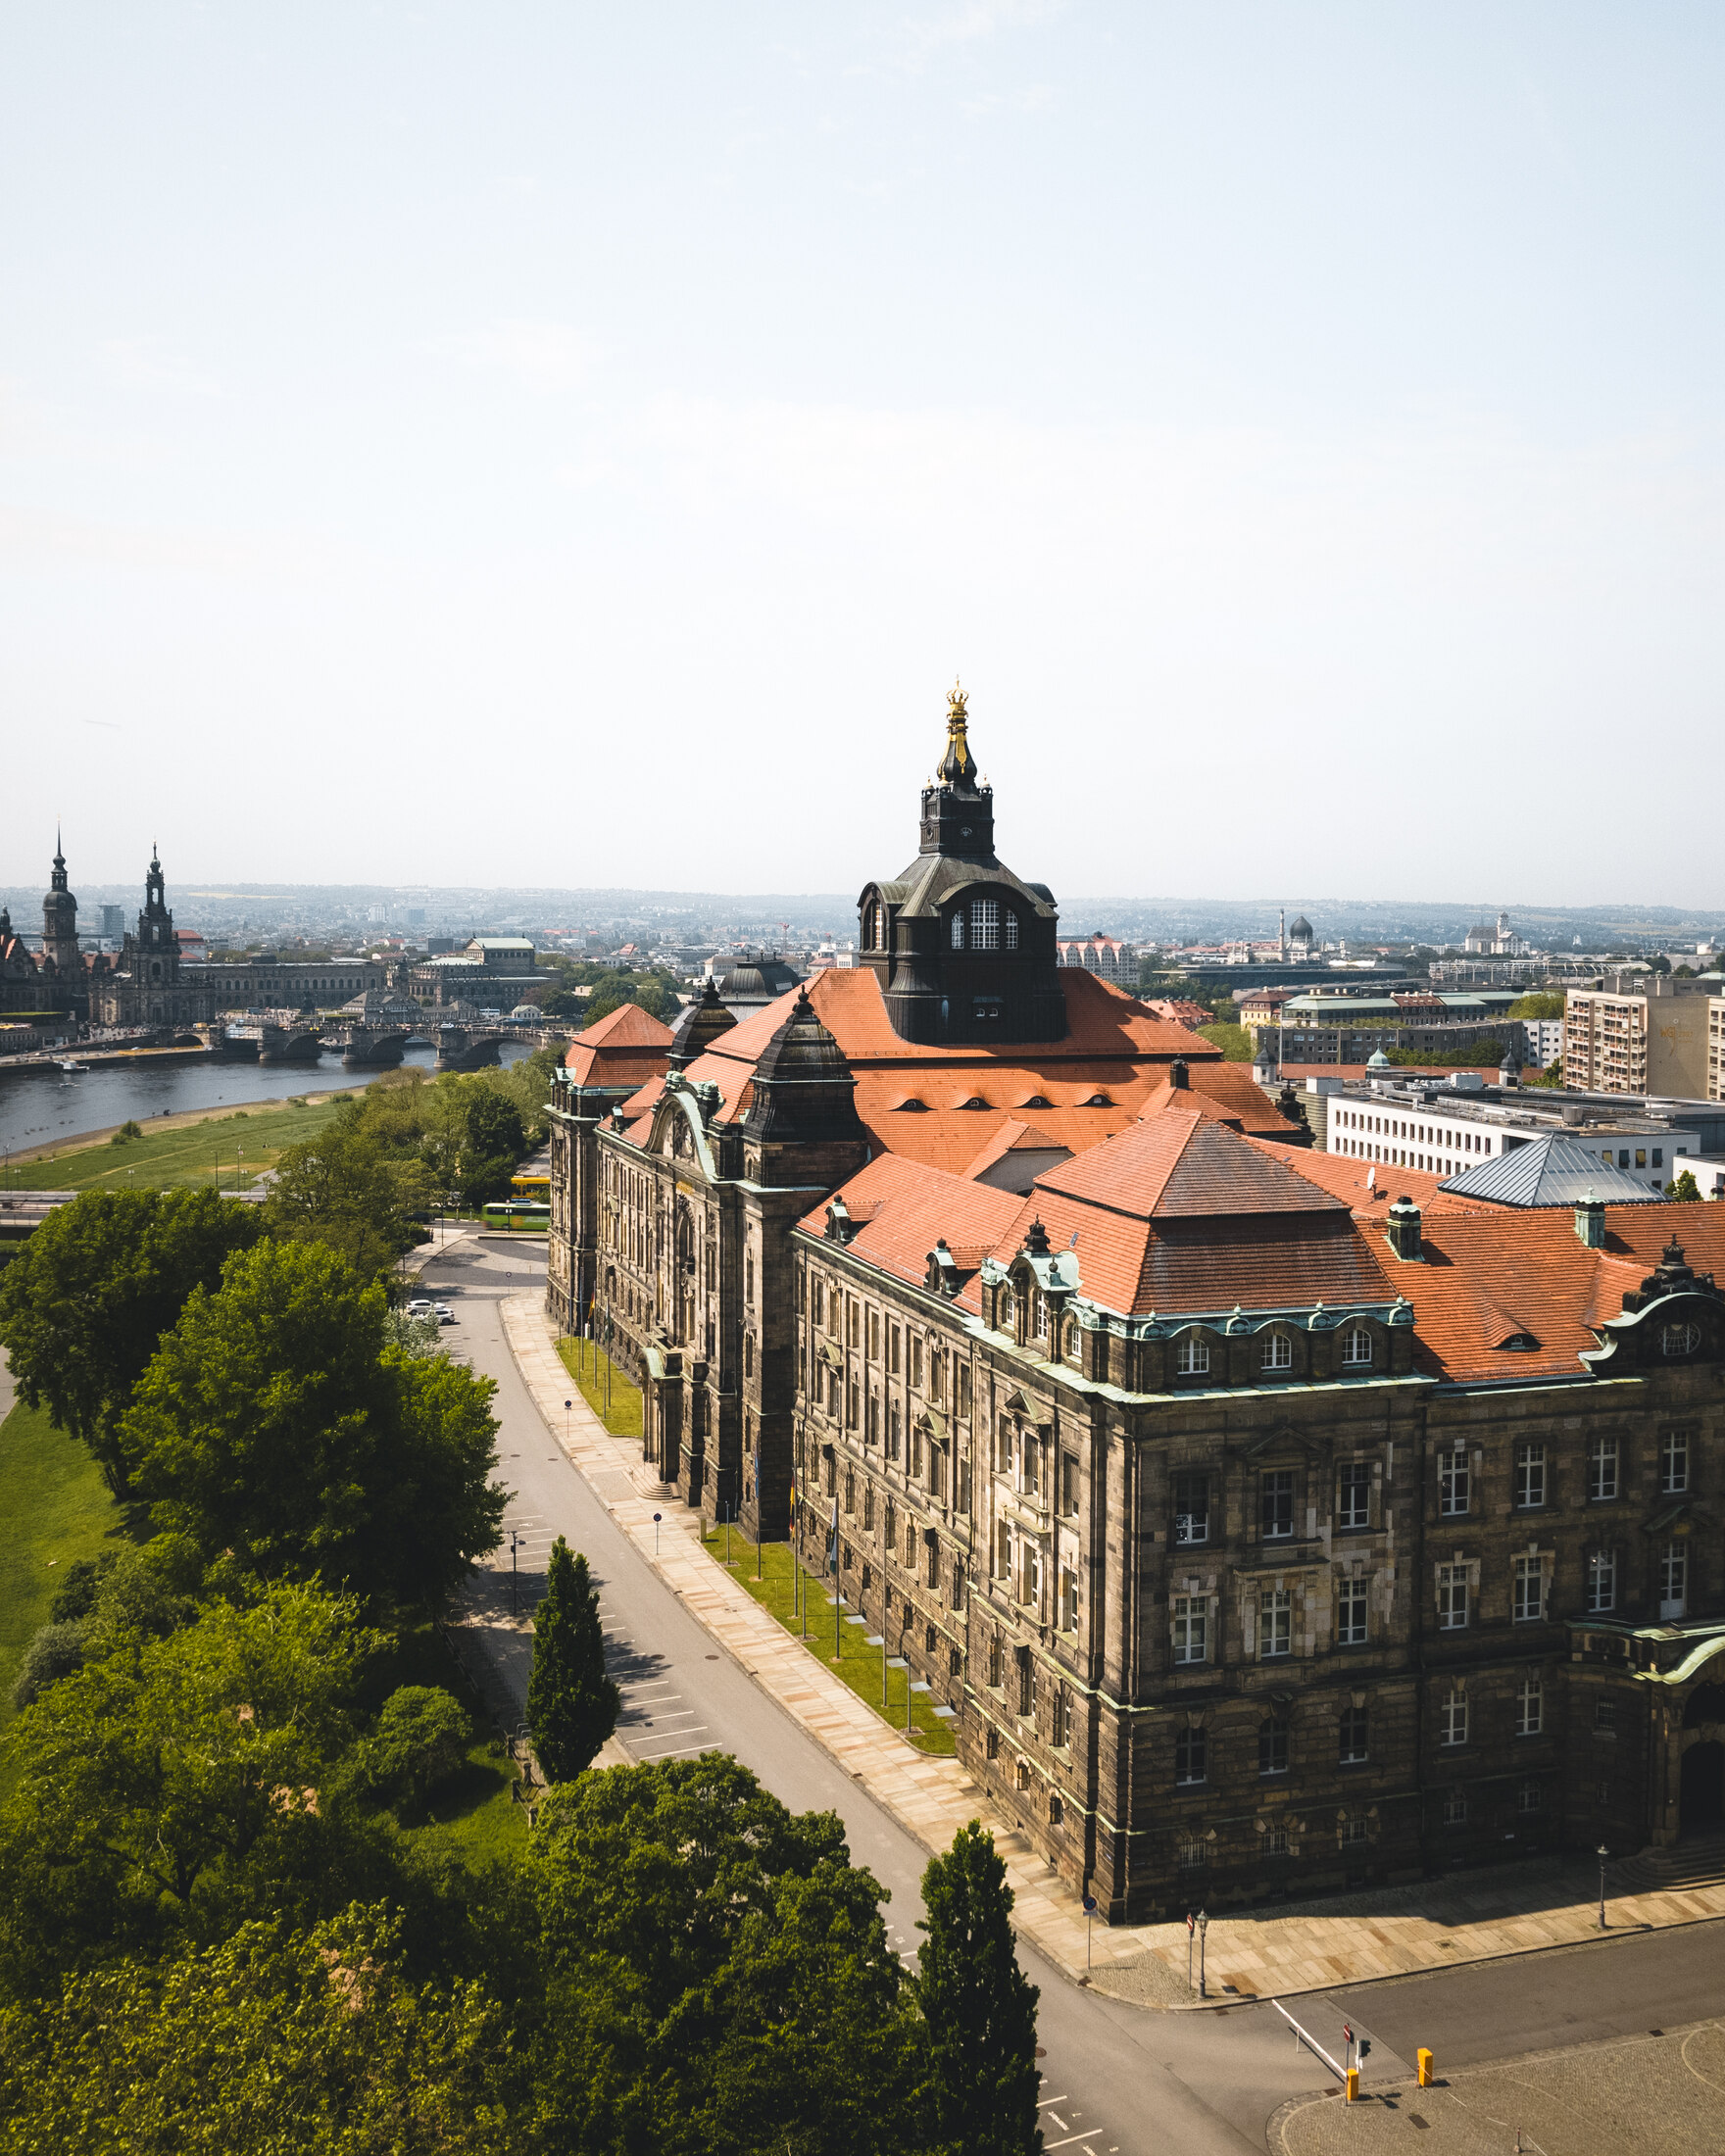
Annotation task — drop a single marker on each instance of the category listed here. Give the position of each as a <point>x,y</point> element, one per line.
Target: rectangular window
<point>915,1454</point>
<point>892,1432</point>
<point>1350,1603</point>
<point>1191,1758</point>
<point>1452,1598</point>
<point>1452,1719</point>
<point>985,924</point>
<point>916,1360</point>
<point>1601,1470</point>
<point>963,1499</point>
<point>1530,1591</point>
<point>1601,1580</point>
<point>1275,1841</point>
<point>1191,1508</point>
<point>1673,1579</point>
<point>1354,1831</point>
<point>1028,1478</point>
<point>1452,1480</point>
<point>962,1400</point>
<point>894,1340</point>
<point>1530,1707</point>
<point>1061,1718</point>
<point>1191,1856</point>
<point>1530,1476</point>
<point>1275,1624</point>
<point>1026,1683</point>
<point>1605,1717</point>
<point>1674,1462</point>
<point>995,1660</point>
<point>1068,1599</point>
<point>1276,1503</point>
<point>1272,1747</point>
<point>872,1430</point>
<point>1352,1748</point>
<point>1192,1358</point>
<point>1191,1627</point>
<point>1003,1552</point>
<point>1531,1798</point>
<point>1070,1484</point>
<point>1454,1807</point>
<point>874,1336</point>
<point>1353,1497</point>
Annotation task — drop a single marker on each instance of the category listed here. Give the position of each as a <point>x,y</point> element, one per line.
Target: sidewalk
<point>1342,1940</point>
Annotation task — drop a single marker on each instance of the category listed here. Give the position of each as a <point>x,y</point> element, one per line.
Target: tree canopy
<point>88,1299</point>
<point>571,1704</point>
<point>275,1423</point>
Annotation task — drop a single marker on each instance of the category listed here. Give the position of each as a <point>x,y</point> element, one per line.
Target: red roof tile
<point>623,1047</point>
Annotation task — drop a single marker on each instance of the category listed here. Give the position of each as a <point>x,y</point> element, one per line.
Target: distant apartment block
<point>1105,955</point>
<point>1641,1033</point>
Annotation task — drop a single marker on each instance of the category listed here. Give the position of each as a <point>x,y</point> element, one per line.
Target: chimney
<point>1590,1221</point>
<point>1405,1229</point>
<point>1179,1077</point>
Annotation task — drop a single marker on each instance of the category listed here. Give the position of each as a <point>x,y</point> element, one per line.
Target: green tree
<point>171,1781</point>
<point>85,1302</point>
<point>54,1652</point>
<point>341,1189</point>
<point>571,1704</point>
<point>275,1423</point>
<point>563,1002</point>
<point>978,2008</point>
<point>1234,1042</point>
<point>718,1977</point>
<point>1539,1003</point>
<point>271,2040</point>
<point>1685,1189</point>
<point>420,1739</point>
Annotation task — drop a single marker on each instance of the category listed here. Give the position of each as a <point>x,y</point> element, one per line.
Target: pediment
<point>1281,1438</point>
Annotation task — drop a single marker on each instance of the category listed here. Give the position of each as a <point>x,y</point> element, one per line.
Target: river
<point>39,1103</point>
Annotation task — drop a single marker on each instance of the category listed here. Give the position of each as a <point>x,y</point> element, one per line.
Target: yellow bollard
<point>1423,2060</point>
<point>1353,2085</point>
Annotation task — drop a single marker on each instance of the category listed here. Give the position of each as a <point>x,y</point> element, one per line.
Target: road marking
<point>1058,2124</point>
<point>676,1751</point>
<point>1071,2138</point>
<point>1046,2100</point>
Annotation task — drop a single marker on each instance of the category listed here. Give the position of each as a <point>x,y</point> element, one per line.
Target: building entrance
<point>1701,1801</point>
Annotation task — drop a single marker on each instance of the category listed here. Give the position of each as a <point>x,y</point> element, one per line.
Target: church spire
<point>958,803</point>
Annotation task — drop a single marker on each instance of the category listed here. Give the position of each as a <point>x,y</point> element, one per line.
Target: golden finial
<point>957,763</point>
<point>956,703</point>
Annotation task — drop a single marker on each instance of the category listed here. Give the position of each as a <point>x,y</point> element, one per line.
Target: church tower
<point>963,950</point>
<point>156,963</point>
<point>59,923</point>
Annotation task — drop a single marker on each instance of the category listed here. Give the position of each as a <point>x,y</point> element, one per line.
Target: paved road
<point>1119,2080</point>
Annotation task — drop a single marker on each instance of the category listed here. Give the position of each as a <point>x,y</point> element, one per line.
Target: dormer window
<point>1276,1353</point>
<point>1192,1357</point>
<point>1356,1349</point>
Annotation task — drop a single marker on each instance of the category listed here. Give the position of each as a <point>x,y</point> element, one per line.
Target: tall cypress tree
<point>979,2007</point>
<point>571,1704</point>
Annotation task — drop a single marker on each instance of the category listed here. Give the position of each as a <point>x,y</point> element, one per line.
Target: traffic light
<point>1363,2050</point>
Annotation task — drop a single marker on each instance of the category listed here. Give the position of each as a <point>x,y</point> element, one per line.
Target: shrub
<point>420,1739</point>
<point>127,1131</point>
<point>54,1652</point>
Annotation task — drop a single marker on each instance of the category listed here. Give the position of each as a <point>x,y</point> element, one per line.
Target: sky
<point>581,445</point>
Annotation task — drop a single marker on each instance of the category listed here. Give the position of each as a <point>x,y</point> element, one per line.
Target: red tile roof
<point>907,1208</point>
<point>1229,1092</point>
<point>1011,1135</point>
<point>623,1047</point>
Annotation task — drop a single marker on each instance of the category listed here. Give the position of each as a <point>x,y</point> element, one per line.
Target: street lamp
<point>1604,1853</point>
<point>515,1544</point>
<point>1089,1912</point>
<point>1203,1928</point>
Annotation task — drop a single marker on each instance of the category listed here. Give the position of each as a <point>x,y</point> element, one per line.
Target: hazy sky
<point>579,444</point>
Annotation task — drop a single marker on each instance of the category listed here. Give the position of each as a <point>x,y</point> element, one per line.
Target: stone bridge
<point>277,1037</point>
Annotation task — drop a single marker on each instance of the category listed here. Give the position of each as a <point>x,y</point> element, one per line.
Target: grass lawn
<point>586,1362</point>
<point>472,1815</point>
<point>188,1155</point>
<point>857,1665</point>
<point>54,1506</point>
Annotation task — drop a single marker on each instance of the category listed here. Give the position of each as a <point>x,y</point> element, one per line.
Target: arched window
<point>1356,1349</point>
<point>1011,930</point>
<point>958,931</point>
<point>1192,1357</point>
<point>1275,1353</point>
<point>985,924</point>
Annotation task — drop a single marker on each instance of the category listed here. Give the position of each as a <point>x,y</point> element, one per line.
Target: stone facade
<point>148,986</point>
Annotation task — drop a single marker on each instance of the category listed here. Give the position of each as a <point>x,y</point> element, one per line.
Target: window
<point>1190,1853</point>
<point>1530,1797</point>
<point>1353,1497</point>
<point>1452,1480</point>
<point>1454,1807</point>
<point>1010,926</point>
<point>1191,1508</point>
<point>819,1299</point>
<point>1673,1579</point>
<point>850,1489</point>
<point>892,1432</point>
<point>1192,1357</point>
<point>1191,1622</point>
<point>1272,1747</point>
<point>1070,1484</point>
<point>1530,1591</point>
<point>1530,1707</point>
<point>994,1743</point>
<point>916,1360</point>
<point>867,1508</point>
<point>1068,1599</point>
<point>1601,1580</point>
<point>996,1657</point>
<point>1275,1353</point>
<point>1453,1720</point>
<point>874,1336</point>
<point>958,931</point>
<point>1026,1683</point>
<point>1276,1503</point>
<point>893,1340</point>
<point>1275,1841</point>
<point>1355,1829</point>
<point>985,924</point>
<point>1003,1552</point>
<point>1191,1758</point>
<point>1350,1603</point>
<point>1674,1462</point>
<point>1275,1624</point>
<point>1352,1747</point>
<point>1530,1476</point>
<point>1452,1598</point>
<point>1356,1349</point>
<point>933,1564</point>
<point>1601,1470</point>
<point>961,1389</point>
<point>1605,1717</point>
<point>1061,1718</point>
<point>1028,1464</point>
<point>1023,1774</point>
<point>1679,1339</point>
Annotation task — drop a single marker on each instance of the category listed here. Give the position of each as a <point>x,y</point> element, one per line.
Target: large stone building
<point>61,979</point>
<point>146,987</point>
<point>681,1164</point>
<point>1258,1533</point>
